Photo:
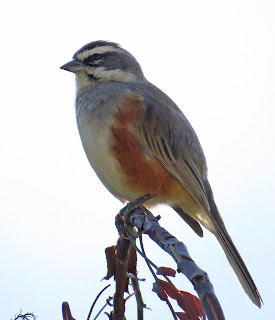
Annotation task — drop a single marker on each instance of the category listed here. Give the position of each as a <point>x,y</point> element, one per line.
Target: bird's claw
<point>131,206</point>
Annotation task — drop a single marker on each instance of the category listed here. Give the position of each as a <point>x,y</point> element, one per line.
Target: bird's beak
<point>73,66</point>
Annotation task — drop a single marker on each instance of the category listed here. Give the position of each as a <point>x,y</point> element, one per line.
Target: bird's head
<point>103,61</point>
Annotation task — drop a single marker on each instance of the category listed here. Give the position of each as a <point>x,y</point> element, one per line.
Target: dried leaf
<point>110,253</point>
<point>195,303</point>
<point>159,291</point>
<point>182,316</point>
<point>66,312</point>
<point>188,302</point>
<point>170,289</point>
<point>166,271</point>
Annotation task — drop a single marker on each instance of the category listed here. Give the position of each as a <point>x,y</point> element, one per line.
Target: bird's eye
<point>94,59</point>
<point>96,56</point>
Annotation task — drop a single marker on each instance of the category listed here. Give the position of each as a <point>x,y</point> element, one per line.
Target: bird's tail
<point>238,266</point>
<point>231,251</point>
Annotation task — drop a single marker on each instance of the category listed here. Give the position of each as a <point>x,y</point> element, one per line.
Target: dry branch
<point>145,222</point>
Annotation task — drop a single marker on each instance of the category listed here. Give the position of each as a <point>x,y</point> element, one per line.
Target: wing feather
<point>184,170</point>
<point>167,134</point>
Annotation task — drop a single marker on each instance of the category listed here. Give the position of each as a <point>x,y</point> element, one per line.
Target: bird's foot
<point>122,219</point>
<point>131,206</point>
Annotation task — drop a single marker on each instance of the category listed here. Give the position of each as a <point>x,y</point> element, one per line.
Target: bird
<point>139,142</point>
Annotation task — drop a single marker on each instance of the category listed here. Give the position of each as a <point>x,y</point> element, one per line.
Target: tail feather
<point>238,266</point>
<point>231,251</point>
<point>190,221</point>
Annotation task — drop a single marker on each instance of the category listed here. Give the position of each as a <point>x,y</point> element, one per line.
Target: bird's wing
<point>168,135</point>
<point>165,131</point>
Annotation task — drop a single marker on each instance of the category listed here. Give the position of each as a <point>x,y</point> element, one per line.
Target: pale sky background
<point>216,60</point>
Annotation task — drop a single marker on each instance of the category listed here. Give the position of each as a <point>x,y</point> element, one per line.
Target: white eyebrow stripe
<point>98,50</point>
<point>113,75</point>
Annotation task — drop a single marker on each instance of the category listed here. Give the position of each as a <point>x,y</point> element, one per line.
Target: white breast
<point>94,130</point>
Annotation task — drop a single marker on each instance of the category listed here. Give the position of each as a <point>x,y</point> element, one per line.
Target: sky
<point>215,59</point>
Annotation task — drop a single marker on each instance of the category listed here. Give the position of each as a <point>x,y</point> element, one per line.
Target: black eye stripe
<point>95,57</point>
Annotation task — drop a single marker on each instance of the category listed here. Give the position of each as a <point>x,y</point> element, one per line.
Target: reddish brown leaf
<point>192,301</point>
<point>182,316</point>
<point>159,291</point>
<point>110,253</point>
<point>166,271</point>
<point>66,312</point>
<point>188,302</point>
<point>170,289</point>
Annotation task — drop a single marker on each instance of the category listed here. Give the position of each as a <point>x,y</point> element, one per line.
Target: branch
<point>145,222</point>
<point>121,276</point>
<point>93,305</point>
<point>140,303</point>
<point>25,316</point>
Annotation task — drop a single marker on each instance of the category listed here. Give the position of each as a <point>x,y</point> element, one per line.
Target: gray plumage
<point>105,75</point>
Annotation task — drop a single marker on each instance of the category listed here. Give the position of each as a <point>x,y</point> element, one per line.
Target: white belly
<point>95,137</point>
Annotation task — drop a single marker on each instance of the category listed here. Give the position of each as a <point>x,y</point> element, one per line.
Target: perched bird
<point>139,142</point>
